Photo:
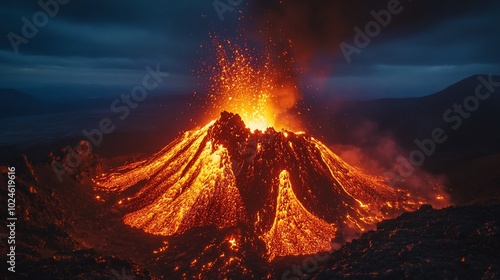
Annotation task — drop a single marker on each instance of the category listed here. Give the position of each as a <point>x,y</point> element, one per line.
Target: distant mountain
<point>15,103</point>
<point>412,118</point>
<point>471,134</point>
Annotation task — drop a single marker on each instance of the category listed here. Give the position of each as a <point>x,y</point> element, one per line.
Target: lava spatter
<point>288,188</point>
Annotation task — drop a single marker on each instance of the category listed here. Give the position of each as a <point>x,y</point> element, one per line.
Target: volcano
<point>285,188</point>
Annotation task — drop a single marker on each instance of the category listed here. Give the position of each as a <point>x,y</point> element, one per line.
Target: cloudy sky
<point>93,48</point>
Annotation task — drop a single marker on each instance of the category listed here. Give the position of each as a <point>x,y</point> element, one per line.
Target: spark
<point>250,86</point>
<point>195,181</point>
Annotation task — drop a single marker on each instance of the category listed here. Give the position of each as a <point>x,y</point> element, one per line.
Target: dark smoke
<point>319,26</point>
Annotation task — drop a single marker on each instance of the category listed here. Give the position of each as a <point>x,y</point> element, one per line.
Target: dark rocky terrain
<point>452,243</point>
<point>64,232</point>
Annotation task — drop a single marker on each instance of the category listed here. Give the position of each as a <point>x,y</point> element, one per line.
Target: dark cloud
<point>104,43</point>
<point>321,25</point>
<point>111,42</point>
<point>424,48</point>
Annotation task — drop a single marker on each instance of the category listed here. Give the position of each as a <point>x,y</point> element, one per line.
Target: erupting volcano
<point>294,193</point>
<point>237,174</point>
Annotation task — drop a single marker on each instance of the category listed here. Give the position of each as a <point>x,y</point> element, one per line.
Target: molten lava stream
<point>286,191</point>
<point>210,176</point>
<point>295,231</point>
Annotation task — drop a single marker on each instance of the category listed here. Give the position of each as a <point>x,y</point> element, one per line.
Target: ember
<point>237,172</point>
<point>295,193</point>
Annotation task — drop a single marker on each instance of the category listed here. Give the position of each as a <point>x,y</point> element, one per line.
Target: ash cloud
<point>321,25</point>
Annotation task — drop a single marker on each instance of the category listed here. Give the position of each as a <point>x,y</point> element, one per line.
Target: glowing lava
<point>294,225</point>
<point>243,191</point>
<point>295,194</point>
<point>252,88</point>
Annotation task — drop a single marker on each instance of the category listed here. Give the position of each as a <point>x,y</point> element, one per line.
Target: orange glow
<point>193,182</point>
<point>209,176</point>
<point>233,244</point>
<point>245,85</point>
<point>295,231</point>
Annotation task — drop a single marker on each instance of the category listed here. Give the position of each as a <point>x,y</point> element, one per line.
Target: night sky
<point>96,48</point>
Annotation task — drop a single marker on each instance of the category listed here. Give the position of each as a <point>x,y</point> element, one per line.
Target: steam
<point>379,154</point>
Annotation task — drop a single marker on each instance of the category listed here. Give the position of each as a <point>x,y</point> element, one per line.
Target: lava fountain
<point>293,193</point>
<point>251,86</point>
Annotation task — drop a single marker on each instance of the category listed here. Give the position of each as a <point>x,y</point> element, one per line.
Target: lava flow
<point>285,189</point>
<point>294,193</point>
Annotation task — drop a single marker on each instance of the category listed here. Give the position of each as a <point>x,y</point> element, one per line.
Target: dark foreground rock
<point>452,243</point>
<point>82,264</point>
<point>64,232</point>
